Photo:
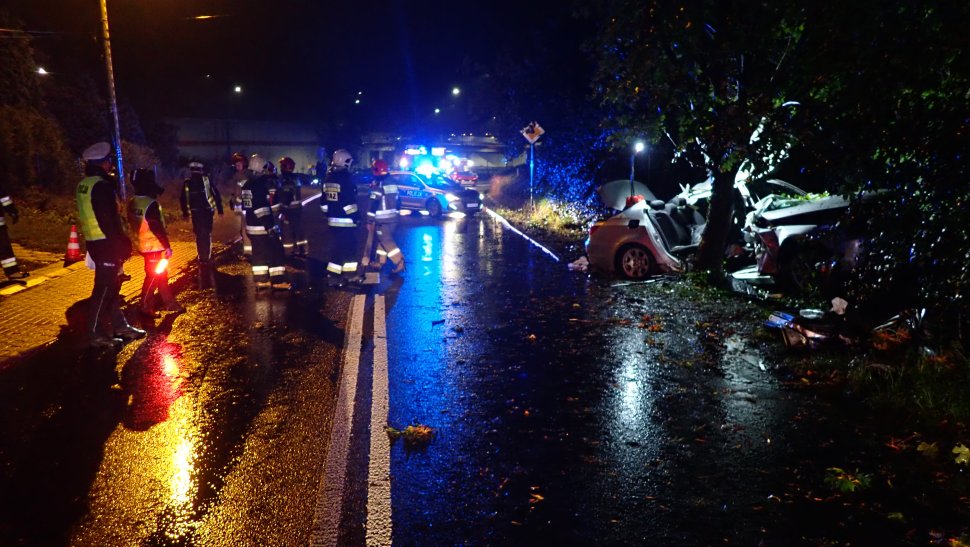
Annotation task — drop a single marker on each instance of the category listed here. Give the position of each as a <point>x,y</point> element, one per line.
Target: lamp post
<point>637,148</point>
<point>236,90</point>
<point>114,99</point>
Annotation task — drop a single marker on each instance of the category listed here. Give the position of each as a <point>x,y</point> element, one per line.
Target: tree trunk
<point>710,255</point>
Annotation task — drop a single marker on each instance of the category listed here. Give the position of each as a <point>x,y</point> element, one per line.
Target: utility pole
<point>114,99</point>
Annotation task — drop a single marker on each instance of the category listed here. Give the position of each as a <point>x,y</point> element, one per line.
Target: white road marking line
<point>505,223</point>
<point>379,523</point>
<point>330,494</point>
<point>309,199</point>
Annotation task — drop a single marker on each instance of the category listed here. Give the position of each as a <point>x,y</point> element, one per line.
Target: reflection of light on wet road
<point>749,410</point>
<point>182,465</point>
<point>148,472</point>
<point>427,247</point>
<point>631,405</point>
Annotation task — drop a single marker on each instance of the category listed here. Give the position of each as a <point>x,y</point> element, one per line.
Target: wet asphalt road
<point>566,410</point>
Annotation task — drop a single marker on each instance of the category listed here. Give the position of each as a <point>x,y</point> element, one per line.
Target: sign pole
<point>532,132</point>
<point>532,168</point>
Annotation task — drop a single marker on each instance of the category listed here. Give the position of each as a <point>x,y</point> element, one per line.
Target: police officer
<point>339,204</point>
<point>201,199</point>
<point>264,233</point>
<point>148,222</point>
<point>382,220</point>
<point>108,245</point>
<point>8,214</point>
<point>291,199</point>
<point>240,174</point>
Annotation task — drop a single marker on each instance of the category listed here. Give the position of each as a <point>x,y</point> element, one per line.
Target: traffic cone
<point>73,253</point>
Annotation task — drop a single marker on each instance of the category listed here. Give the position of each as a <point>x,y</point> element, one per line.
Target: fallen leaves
<point>414,436</point>
<point>845,482</point>
<point>961,454</point>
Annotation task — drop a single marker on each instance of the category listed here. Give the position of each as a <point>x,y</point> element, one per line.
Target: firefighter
<point>8,214</point>
<point>339,204</point>
<point>264,233</point>
<point>200,199</point>
<point>382,220</point>
<point>291,200</point>
<point>148,222</point>
<point>241,173</point>
<point>108,245</point>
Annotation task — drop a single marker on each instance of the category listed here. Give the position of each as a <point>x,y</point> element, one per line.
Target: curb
<point>40,275</point>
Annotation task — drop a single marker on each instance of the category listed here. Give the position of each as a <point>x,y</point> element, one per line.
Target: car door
<point>405,190</point>
<point>411,191</point>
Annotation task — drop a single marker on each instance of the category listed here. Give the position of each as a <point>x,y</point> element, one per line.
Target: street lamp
<point>42,71</point>
<point>637,148</point>
<point>455,91</point>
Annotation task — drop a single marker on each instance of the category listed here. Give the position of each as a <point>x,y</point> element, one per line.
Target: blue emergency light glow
<point>424,167</point>
<point>437,150</point>
<point>403,162</point>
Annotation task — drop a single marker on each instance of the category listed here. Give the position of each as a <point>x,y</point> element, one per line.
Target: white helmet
<point>341,159</point>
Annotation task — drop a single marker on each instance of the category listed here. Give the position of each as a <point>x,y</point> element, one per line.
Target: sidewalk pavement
<point>32,316</point>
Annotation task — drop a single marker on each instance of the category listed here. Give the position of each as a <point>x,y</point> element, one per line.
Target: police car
<point>433,194</point>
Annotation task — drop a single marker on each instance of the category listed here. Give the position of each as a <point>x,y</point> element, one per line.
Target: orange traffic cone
<point>73,253</point>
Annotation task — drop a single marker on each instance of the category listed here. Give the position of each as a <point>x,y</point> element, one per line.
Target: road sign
<point>532,132</point>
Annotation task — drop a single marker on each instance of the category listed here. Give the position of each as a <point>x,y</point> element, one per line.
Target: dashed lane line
<point>326,518</point>
<point>379,523</point>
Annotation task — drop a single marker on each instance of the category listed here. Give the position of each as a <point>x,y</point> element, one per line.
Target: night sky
<point>299,60</point>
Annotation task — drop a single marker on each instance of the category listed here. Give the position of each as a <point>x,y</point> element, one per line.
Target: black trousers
<point>104,307</point>
<point>202,227</point>
<point>344,251</point>
<point>268,259</point>
<point>294,237</point>
<point>7,259</point>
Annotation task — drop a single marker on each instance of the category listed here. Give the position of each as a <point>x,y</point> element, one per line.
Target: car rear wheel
<point>434,207</point>
<point>799,270</point>
<point>634,262</point>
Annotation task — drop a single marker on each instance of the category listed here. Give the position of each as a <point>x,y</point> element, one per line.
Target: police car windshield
<point>438,181</point>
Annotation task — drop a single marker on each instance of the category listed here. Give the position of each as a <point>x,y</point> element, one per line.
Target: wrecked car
<point>800,241</point>
<point>648,236</point>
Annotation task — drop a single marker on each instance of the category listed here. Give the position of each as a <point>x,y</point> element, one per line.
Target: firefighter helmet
<point>237,157</point>
<point>196,166</point>
<point>341,159</point>
<point>380,168</point>
<point>269,168</point>
<point>287,165</point>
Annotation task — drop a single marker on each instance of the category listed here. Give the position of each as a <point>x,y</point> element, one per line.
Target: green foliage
<point>846,482</point>
<point>706,75</point>
<point>32,151</point>
<point>883,104</point>
<point>902,374</point>
<point>961,454</point>
<point>19,81</point>
<point>79,107</point>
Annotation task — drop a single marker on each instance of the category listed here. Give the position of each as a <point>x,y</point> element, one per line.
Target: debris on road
<point>581,264</point>
<point>414,436</point>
